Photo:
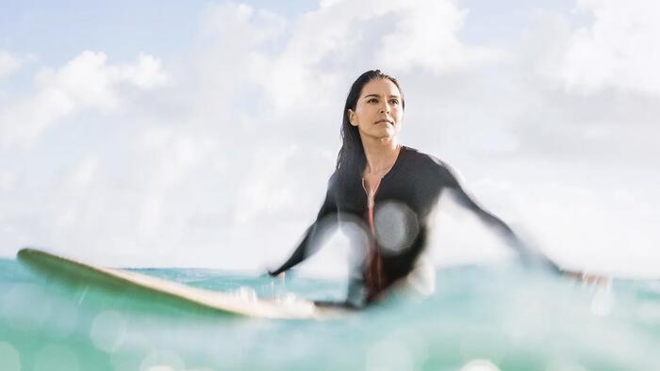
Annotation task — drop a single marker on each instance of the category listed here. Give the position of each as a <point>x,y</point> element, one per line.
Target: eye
<point>394,101</point>
<point>372,100</point>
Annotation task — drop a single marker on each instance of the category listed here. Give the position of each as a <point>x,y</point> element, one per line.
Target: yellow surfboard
<point>176,293</point>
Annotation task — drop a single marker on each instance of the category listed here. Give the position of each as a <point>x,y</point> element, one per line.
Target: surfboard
<point>138,284</point>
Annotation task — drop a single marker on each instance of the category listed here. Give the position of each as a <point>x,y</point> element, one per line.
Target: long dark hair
<point>351,159</point>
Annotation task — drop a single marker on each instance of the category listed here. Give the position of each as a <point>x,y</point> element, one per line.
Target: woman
<point>388,188</point>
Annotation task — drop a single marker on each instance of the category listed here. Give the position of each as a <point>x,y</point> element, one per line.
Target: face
<point>378,112</point>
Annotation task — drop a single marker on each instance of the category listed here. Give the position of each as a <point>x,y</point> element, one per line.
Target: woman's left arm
<point>464,198</point>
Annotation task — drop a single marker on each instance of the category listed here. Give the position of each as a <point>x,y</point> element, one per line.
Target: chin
<point>391,132</point>
<point>387,137</point>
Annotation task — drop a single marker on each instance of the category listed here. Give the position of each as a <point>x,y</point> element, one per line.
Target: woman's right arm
<point>311,242</point>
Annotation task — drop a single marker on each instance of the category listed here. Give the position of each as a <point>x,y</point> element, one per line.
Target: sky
<point>202,134</point>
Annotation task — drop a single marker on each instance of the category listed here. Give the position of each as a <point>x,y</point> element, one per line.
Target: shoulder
<point>333,181</point>
<point>432,164</point>
<point>338,182</point>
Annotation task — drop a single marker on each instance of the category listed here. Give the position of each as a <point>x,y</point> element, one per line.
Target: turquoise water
<point>479,319</point>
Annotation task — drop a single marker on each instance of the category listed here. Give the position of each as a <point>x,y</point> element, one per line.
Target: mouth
<point>385,122</point>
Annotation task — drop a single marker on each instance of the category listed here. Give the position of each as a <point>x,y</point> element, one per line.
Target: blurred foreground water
<point>479,319</point>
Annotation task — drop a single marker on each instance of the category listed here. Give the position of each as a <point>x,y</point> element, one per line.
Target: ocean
<point>480,318</point>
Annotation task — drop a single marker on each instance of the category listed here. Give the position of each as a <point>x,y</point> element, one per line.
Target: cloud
<point>333,43</point>
<point>240,25</point>
<point>616,50</point>
<point>590,88</point>
<point>9,63</point>
<point>168,160</point>
<point>262,191</point>
<point>7,181</point>
<point>426,36</point>
<point>86,82</point>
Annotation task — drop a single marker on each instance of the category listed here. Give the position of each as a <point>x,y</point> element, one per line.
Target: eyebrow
<point>378,96</point>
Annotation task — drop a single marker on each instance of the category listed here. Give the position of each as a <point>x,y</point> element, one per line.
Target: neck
<point>381,153</point>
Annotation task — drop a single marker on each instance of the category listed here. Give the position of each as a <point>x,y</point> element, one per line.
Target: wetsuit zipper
<point>371,200</point>
<point>374,271</point>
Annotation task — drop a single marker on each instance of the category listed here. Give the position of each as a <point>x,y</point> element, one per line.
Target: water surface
<point>479,319</point>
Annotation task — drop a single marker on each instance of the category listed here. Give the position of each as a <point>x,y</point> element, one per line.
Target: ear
<point>351,117</point>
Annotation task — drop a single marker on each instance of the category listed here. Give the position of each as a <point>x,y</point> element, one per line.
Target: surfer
<point>390,191</point>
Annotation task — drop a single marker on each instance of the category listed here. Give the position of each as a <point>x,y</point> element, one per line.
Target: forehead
<point>380,87</point>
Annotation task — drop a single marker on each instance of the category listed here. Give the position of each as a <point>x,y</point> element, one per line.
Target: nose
<point>385,108</point>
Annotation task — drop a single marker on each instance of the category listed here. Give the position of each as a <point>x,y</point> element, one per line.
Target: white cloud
<point>230,22</point>
<point>85,173</point>
<point>7,181</point>
<point>73,196</point>
<point>261,191</point>
<point>617,50</point>
<point>331,44</point>
<point>427,37</point>
<point>591,84</point>
<point>145,74</point>
<point>86,82</point>
<point>9,63</point>
<point>166,160</point>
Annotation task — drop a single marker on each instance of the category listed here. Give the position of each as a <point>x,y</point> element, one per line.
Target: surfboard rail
<point>223,302</point>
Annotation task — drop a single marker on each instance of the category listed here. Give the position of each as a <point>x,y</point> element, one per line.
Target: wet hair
<point>351,159</point>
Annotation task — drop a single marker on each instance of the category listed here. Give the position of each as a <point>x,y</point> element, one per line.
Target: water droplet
<point>246,293</point>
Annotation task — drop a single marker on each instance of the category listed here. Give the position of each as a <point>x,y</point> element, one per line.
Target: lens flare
<point>108,331</point>
<point>480,365</point>
<point>396,227</point>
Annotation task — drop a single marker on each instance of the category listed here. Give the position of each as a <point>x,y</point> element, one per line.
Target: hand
<point>276,274</point>
<point>589,278</point>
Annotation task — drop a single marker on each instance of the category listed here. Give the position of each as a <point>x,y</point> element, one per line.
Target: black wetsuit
<point>414,183</point>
